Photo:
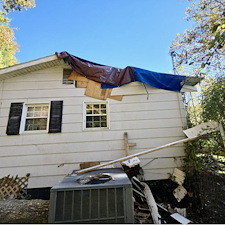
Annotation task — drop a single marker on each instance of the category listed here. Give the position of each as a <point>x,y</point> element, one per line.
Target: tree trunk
<point>24,211</point>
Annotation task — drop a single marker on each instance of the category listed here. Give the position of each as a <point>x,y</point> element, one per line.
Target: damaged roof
<point>107,76</point>
<point>111,77</point>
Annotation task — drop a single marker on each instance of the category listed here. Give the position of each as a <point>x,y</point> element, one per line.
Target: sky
<point>116,33</point>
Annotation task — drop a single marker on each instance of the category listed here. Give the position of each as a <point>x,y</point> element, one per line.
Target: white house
<point>50,126</point>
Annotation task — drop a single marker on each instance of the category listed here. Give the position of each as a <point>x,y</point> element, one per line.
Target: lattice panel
<point>13,187</point>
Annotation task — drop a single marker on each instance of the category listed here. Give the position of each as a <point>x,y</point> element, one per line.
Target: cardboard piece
<point>179,193</point>
<point>178,176</point>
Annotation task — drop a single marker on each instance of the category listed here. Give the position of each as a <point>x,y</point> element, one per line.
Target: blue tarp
<point>155,79</point>
<point>111,77</point>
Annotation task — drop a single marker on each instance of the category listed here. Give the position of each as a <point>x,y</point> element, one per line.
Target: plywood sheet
<point>117,97</point>
<point>94,90</point>
<point>76,76</point>
<point>81,84</point>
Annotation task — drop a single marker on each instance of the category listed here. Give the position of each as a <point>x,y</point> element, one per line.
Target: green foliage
<point>201,49</point>
<point>8,45</point>
<point>202,154</point>
<point>12,5</point>
<point>213,107</point>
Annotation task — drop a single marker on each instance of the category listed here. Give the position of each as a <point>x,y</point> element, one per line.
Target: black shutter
<point>55,122</point>
<point>15,114</point>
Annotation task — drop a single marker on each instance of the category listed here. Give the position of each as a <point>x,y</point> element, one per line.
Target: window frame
<point>24,118</point>
<point>85,116</point>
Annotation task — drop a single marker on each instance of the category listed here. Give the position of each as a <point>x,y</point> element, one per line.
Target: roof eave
<point>31,66</point>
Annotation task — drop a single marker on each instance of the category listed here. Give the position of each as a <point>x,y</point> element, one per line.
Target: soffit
<point>31,66</point>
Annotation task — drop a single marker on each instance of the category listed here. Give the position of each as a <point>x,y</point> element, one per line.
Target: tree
<point>212,104</point>
<point>8,45</point>
<point>201,50</point>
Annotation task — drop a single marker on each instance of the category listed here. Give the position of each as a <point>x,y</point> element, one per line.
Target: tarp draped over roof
<point>111,77</point>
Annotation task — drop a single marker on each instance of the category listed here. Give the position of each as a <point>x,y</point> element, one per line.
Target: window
<point>36,117</point>
<point>66,74</point>
<point>96,115</point>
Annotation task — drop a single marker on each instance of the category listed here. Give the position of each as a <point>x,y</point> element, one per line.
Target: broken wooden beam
<point>192,134</point>
<point>137,154</point>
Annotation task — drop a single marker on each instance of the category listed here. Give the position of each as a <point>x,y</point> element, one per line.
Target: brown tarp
<point>97,72</point>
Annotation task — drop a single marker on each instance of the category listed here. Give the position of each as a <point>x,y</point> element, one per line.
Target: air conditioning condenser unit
<point>99,196</point>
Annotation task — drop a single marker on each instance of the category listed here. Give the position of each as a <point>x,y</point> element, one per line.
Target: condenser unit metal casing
<point>110,201</point>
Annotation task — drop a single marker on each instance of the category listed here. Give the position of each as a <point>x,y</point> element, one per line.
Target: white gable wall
<point>149,123</point>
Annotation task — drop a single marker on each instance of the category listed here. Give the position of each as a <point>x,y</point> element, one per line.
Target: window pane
<point>97,124</point>
<point>30,114</point>
<point>96,115</point>
<point>103,124</point>
<point>96,118</point>
<point>37,114</point>
<point>96,106</point>
<point>38,108</point>
<point>30,109</point>
<point>45,108</point>
<point>96,112</point>
<point>89,106</point>
<point>89,118</point>
<point>43,113</point>
<point>36,124</point>
<point>89,124</point>
<point>103,118</point>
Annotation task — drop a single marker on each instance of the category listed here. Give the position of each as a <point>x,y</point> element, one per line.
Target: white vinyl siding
<point>149,121</point>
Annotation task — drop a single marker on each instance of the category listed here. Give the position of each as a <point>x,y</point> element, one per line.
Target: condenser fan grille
<point>97,205</point>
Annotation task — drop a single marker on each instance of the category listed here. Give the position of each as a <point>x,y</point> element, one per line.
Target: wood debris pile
<point>147,210</point>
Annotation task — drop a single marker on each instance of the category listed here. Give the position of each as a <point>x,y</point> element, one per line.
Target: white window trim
<point>23,118</point>
<point>107,114</point>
